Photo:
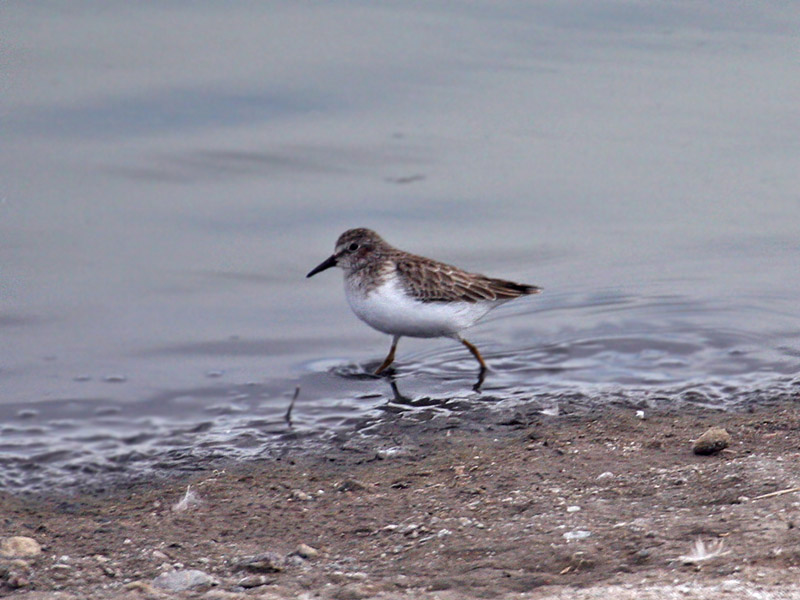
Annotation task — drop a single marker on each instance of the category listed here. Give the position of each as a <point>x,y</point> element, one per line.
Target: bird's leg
<point>479,383</point>
<point>474,352</point>
<point>390,358</point>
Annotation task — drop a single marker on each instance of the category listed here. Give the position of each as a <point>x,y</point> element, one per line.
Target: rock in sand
<point>712,441</point>
<point>186,579</point>
<point>19,547</point>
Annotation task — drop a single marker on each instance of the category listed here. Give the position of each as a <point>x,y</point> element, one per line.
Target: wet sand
<point>604,504</point>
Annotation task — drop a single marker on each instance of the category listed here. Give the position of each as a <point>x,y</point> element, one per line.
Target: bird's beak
<point>327,264</point>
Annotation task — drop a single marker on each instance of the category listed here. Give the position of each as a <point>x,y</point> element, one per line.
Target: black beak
<point>327,264</point>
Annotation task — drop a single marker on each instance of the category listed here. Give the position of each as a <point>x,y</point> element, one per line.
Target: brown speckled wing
<point>432,281</point>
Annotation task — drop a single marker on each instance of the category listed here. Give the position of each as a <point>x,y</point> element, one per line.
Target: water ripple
<point>584,362</point>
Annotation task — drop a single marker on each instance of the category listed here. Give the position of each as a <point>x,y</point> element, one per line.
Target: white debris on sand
<point>700,552</point>
<point>190,500</point>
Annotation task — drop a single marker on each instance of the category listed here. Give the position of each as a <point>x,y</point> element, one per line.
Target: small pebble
<point>108,570</point>
<point>266,562</point>
<point>712,441</point>
<point>61,571</point>
<point>306,551</point>
<point>18,563</point>
<point>301,495</point>
<point>217,594</point>
<point>16,580</point>
<point>351,485</point>
<point>385,453</point>
<point>642,556</point>
<point>178,581</point>
<point>253,581</point>
<point>354,591</point>
<point>15,573</point>
<point>143,587</point>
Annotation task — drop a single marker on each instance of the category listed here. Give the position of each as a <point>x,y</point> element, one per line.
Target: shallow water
<point>169,174</point>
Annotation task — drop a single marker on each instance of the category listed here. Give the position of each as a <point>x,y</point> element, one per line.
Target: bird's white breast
<point>389,309</point>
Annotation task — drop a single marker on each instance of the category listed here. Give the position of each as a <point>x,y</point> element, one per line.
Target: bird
<point>406,295</point>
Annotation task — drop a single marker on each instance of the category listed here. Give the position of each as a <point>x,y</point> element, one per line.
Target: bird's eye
<point>353,247</point>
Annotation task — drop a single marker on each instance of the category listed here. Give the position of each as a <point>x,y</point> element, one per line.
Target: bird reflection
<point>390,375</point>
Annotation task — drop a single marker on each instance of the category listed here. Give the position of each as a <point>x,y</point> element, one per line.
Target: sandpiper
<point>403,294</point>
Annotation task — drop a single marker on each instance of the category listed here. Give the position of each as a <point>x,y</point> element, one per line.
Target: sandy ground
<point>599,505</point>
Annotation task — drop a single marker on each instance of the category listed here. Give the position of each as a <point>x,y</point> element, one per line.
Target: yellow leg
<point>475,352</point>
<point>390,358</point>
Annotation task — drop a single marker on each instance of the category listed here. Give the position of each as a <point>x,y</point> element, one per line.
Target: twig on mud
<point>778,493</point>
<point>288,416</point>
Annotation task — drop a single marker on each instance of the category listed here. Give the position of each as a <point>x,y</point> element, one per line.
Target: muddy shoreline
<point>502,504</point>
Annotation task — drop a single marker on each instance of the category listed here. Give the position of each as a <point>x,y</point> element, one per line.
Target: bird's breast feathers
<point>389,308</point>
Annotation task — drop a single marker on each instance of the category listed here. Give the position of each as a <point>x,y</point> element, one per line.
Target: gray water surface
<point>169,174</point>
